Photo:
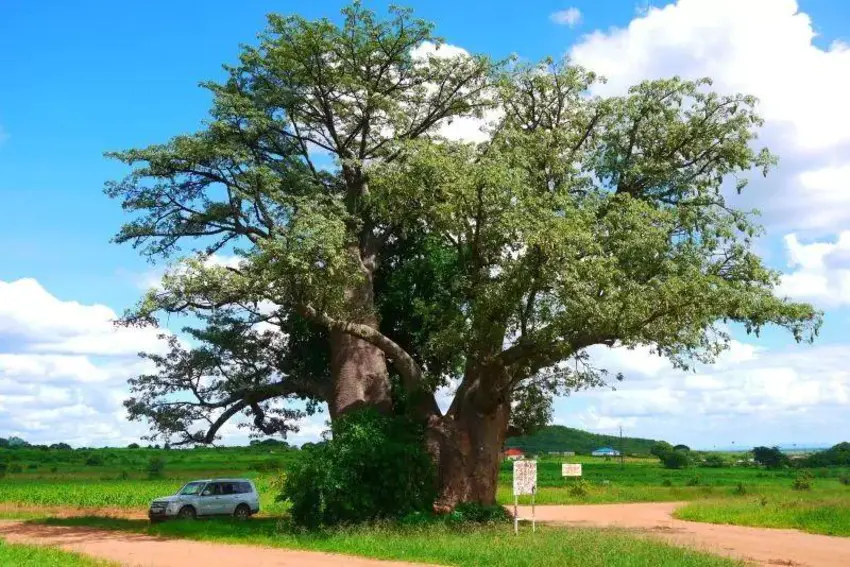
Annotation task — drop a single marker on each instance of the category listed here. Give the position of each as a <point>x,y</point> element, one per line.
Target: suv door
<point>229,498</point>
<point>210,501</point>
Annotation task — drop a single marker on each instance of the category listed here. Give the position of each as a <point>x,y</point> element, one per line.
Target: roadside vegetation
<point>40,556</point>
<point>441,542</point>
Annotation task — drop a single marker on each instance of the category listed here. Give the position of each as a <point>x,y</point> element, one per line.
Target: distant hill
<point>557,438</point>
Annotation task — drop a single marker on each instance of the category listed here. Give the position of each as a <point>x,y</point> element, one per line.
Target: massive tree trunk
<point>358,368</point>
<point>359,374</point>
<point>466,445</point>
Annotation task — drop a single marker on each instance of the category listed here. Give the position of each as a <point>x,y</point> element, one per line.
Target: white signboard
<point>525,477</point>
<point>568,469</point>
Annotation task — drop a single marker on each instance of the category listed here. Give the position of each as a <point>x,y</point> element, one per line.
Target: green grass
<point>819,512</point>
<point>38,556</point>
<point>438,543</point>
<point>124,494</point>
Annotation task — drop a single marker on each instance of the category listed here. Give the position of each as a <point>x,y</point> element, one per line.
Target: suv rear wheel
<point>242,512</point>
<point>186,513</point>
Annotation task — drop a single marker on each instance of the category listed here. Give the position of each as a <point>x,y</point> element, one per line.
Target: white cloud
<point>764,48</point>
<point>794,394</point>
<point>819,271</point>
<point>64,368</point>
<point>569,17</point>
<point>36,321</point>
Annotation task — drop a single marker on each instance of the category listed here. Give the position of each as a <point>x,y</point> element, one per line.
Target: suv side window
<point>228,488</point>
<point>213,489</point>
<point>245,488</point>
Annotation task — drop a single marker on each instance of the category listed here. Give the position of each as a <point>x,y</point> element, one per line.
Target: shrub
<point>667,482</point>
<point>16,468</point>
<point>54,469</point>
<point>740,490</point>
<point>763,501</point>
<point>845,480</point>
<point>94,460</point>
<point>770,457</point>
<point>714,461</point>
<point>803,481</point>
<point>3,468</point>
<point>661,448</point>
<point>694,481</point>
<point>579,488</point>
<point>374,467</point>
<point>479,514</point>
<point>156,468</point>
<point>675,460</point>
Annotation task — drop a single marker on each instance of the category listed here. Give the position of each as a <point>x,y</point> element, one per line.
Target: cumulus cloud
<point>569,17</point>
<point>63,362</point>
<point>779,395</point>
<point>819,271</point>
<point>759,47</point>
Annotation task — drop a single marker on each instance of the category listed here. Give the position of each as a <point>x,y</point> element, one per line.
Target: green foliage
<point>660,448</point>
<point>803,480</point>
<point>94,460</point>
<point>838,455</point>
<point>683,448</point>
<point>374,467</point>
<point>740,489</point>
<point>694,480</point>
<point>473,513</point>
<point>3,468</point>
<point>715,461</point>
<point>675,460</point>
<point>557,438</point>
<point>579,488</point>
<point>770,457</point>
<point>16,468</point>
<point>156,467</point>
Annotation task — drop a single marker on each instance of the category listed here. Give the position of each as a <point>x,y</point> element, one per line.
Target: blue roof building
<point>606,452</point>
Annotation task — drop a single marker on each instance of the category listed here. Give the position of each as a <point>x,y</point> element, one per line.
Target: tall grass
<point>37,556</point>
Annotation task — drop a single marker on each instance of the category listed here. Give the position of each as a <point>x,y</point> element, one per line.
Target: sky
<point>83,78</point>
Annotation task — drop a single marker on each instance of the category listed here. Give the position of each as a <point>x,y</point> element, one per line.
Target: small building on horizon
<point>513,454</point>
<point>605,452</point>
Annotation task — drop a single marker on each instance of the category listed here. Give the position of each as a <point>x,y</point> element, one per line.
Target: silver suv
<point>215,497</point>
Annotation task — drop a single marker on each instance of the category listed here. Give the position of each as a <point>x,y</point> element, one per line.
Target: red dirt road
<point>139,550</point>
<point>761,546</point>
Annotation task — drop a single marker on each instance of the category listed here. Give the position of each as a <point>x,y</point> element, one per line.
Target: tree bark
<point>466,446</point>
<point>359,368</point>
<point>359,374</point>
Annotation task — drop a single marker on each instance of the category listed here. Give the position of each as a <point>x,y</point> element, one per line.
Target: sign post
<point>525,482</point>
<point>569,469</point>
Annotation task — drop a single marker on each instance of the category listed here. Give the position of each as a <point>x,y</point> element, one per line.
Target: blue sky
<point>87,77</point>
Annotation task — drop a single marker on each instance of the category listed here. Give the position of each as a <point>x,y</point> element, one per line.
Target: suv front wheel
<point>242,512</point>
<point>186,513</point>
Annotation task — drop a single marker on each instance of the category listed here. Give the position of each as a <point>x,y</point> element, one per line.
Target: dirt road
<point>759,545</point>
<point>139,550</point>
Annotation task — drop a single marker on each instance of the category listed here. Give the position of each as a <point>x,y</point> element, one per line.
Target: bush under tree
<point>675,460</point>
<point>374,467</point>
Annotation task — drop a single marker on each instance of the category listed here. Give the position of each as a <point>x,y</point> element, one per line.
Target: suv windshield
<point>192,489</point>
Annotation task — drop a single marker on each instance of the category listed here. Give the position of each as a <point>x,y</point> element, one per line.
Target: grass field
<point>438,543</point>
<point>820,512</point>
<point>37,556</point>
<point>735,495</point>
